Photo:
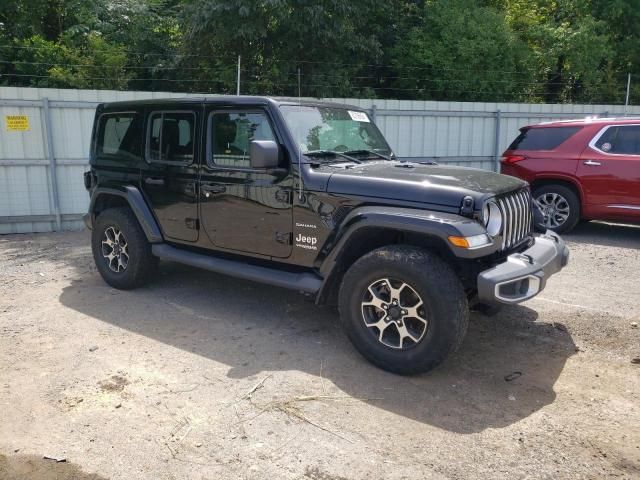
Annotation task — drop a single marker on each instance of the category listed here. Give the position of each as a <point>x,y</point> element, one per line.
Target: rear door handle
<point>154,181</point>
<point>592,163</point>
<point>209,189</point>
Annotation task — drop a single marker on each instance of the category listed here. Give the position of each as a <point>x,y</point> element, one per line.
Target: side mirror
<point>264,154</point>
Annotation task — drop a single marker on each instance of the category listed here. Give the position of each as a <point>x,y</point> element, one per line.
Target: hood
<point>415,182</point>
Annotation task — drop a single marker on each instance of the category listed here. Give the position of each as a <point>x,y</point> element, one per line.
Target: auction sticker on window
<point>17,123</point>
<point>358,116</point>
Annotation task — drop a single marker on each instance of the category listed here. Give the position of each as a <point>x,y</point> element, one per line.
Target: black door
<point>170,175</point>
<point>244,209</point>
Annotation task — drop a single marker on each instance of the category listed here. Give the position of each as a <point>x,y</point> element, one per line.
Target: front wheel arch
<point>368,239</point>
<point>570,184</point>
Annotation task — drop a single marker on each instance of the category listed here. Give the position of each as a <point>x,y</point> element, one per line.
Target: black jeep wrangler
<point>309,196</point>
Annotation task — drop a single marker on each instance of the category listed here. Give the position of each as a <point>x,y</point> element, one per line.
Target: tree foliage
<point>460,50</point>
<point>487,50</point>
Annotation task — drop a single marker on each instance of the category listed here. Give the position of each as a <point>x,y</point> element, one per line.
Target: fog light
<point>518,290</point>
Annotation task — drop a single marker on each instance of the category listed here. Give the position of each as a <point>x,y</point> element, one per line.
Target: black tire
<point>140,263</point>
<point>438,287</point>
<point>571,199</point>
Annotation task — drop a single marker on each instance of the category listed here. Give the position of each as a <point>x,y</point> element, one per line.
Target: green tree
<point>487,50</point>
<point>460,50</point>
<point>329,40</point>
<point>94,64</point>
<point>622,19</point>
<point>88,43</point>
<point>571,48</point>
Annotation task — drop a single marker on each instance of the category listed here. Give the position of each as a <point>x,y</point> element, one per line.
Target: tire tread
<point>142,264</point>
<point>433,272</point>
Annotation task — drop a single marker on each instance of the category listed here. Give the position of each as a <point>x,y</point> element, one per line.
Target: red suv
<point>579,170</point>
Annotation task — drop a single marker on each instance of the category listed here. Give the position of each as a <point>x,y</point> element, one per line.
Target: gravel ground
<point>206,377</point>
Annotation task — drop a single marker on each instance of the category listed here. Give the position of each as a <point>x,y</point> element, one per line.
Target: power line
<point>437,79</point>
<point>289,85</point>
<point>293,63</point>
<point>128,52</point>
<point>312,75</point>
<point>92,65</point>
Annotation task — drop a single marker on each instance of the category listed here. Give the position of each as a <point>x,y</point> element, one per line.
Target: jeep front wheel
<point>120,249</point>
<point>403,308</point>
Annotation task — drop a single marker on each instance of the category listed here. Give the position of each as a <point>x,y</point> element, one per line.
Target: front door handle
<point>592,163</point>
<point>154,181</point>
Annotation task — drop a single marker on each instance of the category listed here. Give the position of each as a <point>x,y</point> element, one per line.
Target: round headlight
<point>492,218</point>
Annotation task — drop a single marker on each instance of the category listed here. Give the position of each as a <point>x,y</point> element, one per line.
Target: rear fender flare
<point>138,205</point>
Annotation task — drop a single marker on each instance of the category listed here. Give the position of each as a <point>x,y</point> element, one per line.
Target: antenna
<point>626,101</point>
<point>238,78</point>
<point>300,195</point>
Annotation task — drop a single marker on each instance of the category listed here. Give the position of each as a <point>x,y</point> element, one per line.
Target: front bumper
<point>525,274</point>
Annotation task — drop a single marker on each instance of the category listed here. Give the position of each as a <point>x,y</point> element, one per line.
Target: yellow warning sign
<point>17,123</point>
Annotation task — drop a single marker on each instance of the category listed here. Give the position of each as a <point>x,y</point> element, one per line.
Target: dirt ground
<point>201,376</point>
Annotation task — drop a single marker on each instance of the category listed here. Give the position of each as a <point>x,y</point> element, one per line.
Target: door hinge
<point>285,238</point>
<point>192,223</point>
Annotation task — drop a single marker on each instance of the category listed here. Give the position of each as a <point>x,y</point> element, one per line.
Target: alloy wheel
<point>115,249</point>
<point>555,209</point>
<point>395,313</point>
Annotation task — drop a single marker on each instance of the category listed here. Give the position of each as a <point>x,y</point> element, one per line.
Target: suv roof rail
<point>591,118</point>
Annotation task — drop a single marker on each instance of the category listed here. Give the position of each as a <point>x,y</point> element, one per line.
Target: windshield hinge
<point>285,238</point>
<point>467,206</point>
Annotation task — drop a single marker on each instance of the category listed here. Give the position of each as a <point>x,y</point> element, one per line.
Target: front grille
<point>518,218</point>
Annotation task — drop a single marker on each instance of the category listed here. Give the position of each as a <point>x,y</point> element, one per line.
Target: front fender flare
<point>138,205</point>
<point>435,225</point>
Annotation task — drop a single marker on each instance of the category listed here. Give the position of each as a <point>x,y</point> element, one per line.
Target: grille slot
<point>518,218</point>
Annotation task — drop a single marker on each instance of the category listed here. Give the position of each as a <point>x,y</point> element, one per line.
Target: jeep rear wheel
<point>120,249</point>
<point>403,308</point>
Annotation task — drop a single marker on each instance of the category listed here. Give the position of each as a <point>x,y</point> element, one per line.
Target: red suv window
<point>621,140</point>
<point>542,138</point>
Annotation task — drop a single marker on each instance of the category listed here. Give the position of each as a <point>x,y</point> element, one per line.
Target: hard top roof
<point>229,100</point>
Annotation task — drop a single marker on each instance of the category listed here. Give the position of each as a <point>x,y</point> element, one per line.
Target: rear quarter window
<point>542,138</point>
<point>119,135</point>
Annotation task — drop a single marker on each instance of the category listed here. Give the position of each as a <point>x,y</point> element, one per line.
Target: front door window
<point>232,134</point>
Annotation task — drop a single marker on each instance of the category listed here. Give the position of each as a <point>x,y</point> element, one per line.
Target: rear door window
<point>171,137</point>
<point>119,135</point>
<point>620,140</point>
<point>542,138</point>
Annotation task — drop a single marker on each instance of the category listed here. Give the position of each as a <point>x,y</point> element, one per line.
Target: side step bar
<point>303,282</point>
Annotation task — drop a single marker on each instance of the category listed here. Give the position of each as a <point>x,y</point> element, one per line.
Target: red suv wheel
<point>559,206</point>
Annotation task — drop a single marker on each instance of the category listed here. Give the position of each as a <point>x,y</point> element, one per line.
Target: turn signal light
<point>470,242</point>
<point>459,242</point>
<point>513,158</point>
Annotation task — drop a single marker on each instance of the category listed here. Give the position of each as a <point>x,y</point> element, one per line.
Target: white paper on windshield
<point>358,116</point>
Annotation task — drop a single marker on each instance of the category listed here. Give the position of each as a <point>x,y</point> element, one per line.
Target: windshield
<point>333,129</point>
